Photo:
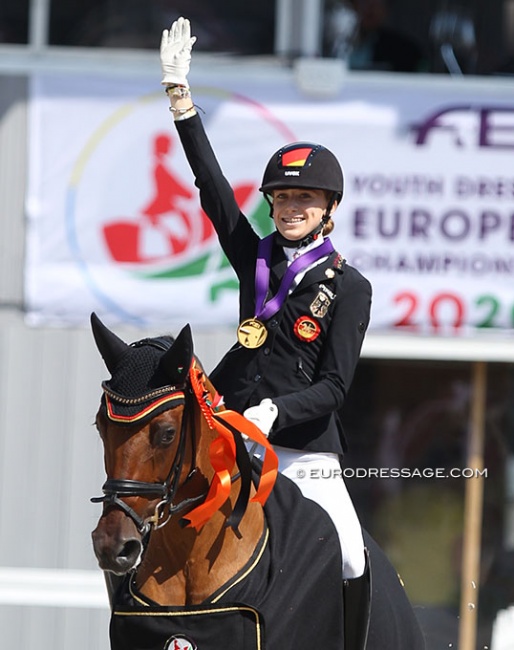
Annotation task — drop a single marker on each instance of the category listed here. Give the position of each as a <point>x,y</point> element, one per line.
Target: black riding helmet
<point>304,164</point>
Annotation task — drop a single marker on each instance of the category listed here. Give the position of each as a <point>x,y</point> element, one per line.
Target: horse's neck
<point>182,566</point>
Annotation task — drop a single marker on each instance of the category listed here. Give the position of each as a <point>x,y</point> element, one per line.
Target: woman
<point>303,310</point>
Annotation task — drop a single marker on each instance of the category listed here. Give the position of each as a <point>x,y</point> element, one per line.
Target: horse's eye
<point>166,436</point>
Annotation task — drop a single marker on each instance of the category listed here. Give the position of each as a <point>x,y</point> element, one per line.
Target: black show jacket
<point>307,379</point>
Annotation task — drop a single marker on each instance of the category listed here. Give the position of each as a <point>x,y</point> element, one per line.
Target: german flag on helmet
<point>303,164</point>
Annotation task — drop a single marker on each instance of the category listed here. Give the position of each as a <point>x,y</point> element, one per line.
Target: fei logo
<point>133,217</point>
<point>468,125</point>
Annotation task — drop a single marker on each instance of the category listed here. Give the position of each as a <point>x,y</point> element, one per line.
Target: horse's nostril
<point>130,550</point>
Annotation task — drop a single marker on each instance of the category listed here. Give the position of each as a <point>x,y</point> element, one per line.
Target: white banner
<point>115,224</point>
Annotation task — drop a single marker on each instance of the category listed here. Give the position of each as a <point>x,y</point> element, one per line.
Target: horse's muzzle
<point>117,543</point>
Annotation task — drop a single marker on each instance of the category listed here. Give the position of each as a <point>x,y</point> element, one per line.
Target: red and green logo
<point>134,219</point>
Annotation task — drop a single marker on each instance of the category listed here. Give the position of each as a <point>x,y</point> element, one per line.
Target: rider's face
<point>297,211</point>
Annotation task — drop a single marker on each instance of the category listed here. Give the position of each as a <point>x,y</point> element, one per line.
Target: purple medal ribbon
<point>262,273</point>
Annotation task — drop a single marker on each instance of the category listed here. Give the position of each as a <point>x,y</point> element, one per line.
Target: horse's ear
<point>177,360</point>
<point>110,346</point>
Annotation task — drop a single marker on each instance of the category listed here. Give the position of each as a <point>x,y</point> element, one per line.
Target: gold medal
<point>251,333</point>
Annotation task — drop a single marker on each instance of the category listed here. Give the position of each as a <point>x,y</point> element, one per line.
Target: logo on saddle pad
<point>180,642</point>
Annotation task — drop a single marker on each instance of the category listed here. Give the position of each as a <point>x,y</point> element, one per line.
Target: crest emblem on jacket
<point>321,302</point>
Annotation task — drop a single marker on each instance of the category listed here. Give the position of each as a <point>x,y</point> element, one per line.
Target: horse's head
<point>147,425</point>
<point>169,448</point>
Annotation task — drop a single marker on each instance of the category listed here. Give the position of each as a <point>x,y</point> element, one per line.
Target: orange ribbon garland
<point>270,462</point>
<point>222,454</point>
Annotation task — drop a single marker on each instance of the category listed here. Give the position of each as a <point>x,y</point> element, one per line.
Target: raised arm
<point>236,236</point>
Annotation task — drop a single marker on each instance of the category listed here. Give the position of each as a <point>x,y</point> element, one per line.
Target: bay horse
<point>204,548</point>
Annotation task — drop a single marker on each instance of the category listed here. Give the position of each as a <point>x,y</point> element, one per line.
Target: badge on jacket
<point>321,303</point>
<point>306,329</point>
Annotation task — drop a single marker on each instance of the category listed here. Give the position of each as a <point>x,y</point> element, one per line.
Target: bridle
<point>225,452</point>
<point>115,490</point>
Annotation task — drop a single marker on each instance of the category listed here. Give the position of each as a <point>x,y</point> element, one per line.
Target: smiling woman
<point>303,311</point>
<point>297,213</point>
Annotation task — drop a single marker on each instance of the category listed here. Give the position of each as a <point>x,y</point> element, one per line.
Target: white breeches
<point>319,477</point>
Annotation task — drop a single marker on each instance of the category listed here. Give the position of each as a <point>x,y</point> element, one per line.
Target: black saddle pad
<point>292,599</point>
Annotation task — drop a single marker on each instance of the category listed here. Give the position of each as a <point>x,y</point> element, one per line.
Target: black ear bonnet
<point>147,377</point>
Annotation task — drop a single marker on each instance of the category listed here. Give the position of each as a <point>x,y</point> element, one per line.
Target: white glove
<point>263,415</point>
<point>176,45</point>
